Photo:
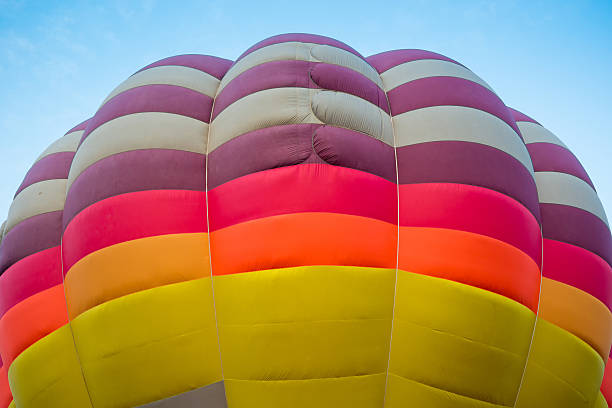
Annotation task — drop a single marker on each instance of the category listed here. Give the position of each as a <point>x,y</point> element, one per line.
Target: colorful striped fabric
<point>306,227</point>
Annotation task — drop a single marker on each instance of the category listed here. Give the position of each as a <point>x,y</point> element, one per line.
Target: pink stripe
<point>311,187</point>
<point>300,37</point>
<point>552,157</point>
<point>579,268</point>
<point>473,209</point>
<point>29,276</point>
<point>389,59</point>
<point>53,166</point>
<point>214,66</point>
<point>521,117</point>
<point>80,126</point>
<point>440,91</point>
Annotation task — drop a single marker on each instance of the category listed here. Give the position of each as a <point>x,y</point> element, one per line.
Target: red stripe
<point>579,268</point>
<point>29,276</point>
<point>311,187</point>
<point>5,392</point>
<point>131,216</point>
<point>472,209</point>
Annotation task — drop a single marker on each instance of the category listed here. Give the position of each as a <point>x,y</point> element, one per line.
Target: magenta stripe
<point>552,157</point>
<point>338,78</point>
<point>287,145</point>
<point>439,91</point>
<point>80,126</point>
<point>468,163</point>
<point>30,236</point>
<point>53,166</point>
<point>153,98</point>
<point>136,170</point>
<point>214,66</point>
<point>578,227</point>
<point>389,59</point>
<point>301,74</point>
<point>300,37</point>
<point>521,117</point>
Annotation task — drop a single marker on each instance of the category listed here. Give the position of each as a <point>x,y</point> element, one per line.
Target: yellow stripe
<point>47,374</point>
<point>459,339</point>
<point>149,345</point>
<point>305,323</point>
<point>563,371</point>
<point>600,401</point>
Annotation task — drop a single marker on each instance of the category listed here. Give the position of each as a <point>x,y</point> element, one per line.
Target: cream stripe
<point>413,70</point>
<point>38,198</point>
<point>169,75</point>
<point>271,107</point>
<point>534,133</point>
<point>302,52</point>
<point>351,112</point>
<point>562,188</point>
<point>144,130</point>
<point>448,123</point>
<point>66,143</point>
<point>2,231</point>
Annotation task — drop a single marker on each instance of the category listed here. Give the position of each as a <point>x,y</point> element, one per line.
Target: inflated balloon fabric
<point>306,227</point>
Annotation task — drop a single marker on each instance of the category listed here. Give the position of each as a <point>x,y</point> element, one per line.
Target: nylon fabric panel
<point>210,396</point>
<point>363,391</point>
<point>136,265</point>
<point>402,392</point>
<point>48,375</point>
<point>66,143</point>
<point>303,239</point>
<point>117,339</point>
<point>305,322</point>
<point>600,402</point>
<point>5,392</point>
<point>39,198</point>
<point>562,371</point>
<point>458,339</point>
<point>577,312</point>
<point>472,259</point>
<point>30,320</point>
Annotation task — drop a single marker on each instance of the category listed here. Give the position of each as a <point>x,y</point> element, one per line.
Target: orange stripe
<point>472,259</point>
<point>5,392</point>
<point>577,312</point>
<point>135,265</point>
<point>31,320</point>
<point>303,239</point>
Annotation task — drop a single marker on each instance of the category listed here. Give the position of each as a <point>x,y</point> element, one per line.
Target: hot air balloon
<point>306,227</point>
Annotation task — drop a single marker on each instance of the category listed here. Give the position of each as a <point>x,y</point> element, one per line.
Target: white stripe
<point>413,70</point>
<point>562,188</point>
<point>185,77</point>
<point>144,130</point>
<point>534,133</point>
<point>301,52</point>
<point>66,143</point>
<point>38,198</point>
<point>459,123</point>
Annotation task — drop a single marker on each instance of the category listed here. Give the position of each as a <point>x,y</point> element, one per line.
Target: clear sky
<point>59,59</point>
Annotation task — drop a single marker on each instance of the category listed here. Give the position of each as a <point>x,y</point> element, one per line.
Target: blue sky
<point>59,59</point>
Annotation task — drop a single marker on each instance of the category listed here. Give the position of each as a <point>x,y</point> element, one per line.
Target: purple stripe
<point>53,166</point>
<point>552,157</point>
<point>80,126</point>
<point>389,59</point>
<point>468,163</point>
<point>337,78</point>
<point>30,236</point>
<point>153,98</point>
<point>296,73</point>
<point>348,148</point>
<point>578,227</point>
<point>214,66</point>
<point>259,150</point>
<point>300,37</point>
<point>521,117</point>
<point>287,145</point>
<point>136,170</point>
<point>438,91</point>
